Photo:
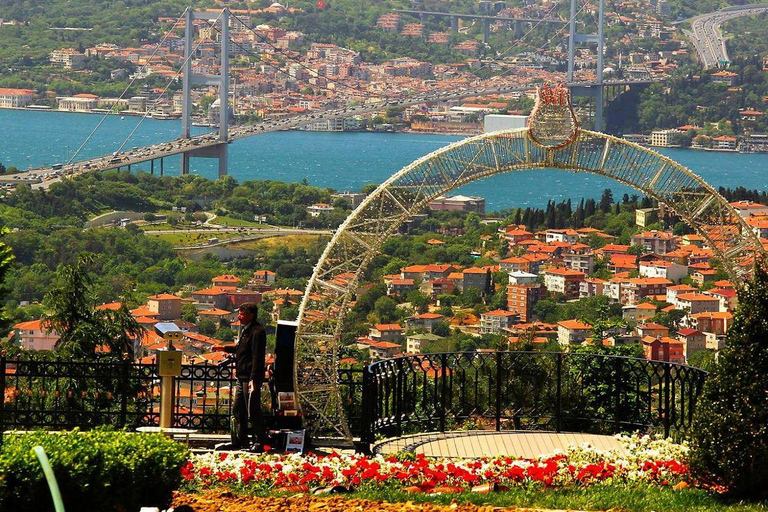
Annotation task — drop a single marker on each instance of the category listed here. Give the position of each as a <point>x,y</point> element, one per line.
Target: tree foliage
<point>730,431</point>
<point>82,328</point>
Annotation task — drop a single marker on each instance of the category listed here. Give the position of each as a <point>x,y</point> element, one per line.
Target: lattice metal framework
<point>341,267</point>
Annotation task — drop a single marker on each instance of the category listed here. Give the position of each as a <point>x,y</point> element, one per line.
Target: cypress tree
<point>730,431</point>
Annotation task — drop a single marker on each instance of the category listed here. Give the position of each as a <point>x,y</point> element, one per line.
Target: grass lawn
<point>202,237</point>
<point>636,498</point>
<point>292,242</point>
<point>238,223</point>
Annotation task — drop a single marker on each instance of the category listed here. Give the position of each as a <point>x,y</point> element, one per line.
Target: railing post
<point>443,389</point>
<point>667,385</point>
<point>617,380</point>
<point>498,391</point>
<point>399,397</point>
<point>559,393</point>
<point>366,406</point>
<point>125,369</point>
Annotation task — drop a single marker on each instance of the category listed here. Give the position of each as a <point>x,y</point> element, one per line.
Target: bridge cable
<point>546,42</point>
<point>130,84</point>
<point>530,30</point>
<point>160,96</point>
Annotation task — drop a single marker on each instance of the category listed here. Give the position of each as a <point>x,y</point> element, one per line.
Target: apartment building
<point>563,280</point>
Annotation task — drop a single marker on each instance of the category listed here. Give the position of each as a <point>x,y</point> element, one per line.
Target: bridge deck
<point>478,443</point>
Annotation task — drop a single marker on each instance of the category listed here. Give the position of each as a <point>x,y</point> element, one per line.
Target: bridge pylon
<point>594,91</point>
<point>190,78</point>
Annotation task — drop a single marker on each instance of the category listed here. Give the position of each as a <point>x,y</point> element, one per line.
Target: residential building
<point>210,298</point>
<point>638,313</point>
<point>563,280</point>
<point>664,138</point>
<point>724,76</point>
<point>494,322</point>
<point>165,306</point>
<point>646,216</point>
<point>400,286</point>
<point>749,208</point>
<point>226,280</point>
<point>728,298</point>
<point>652,329</point>
<point>658,242</point>
<point>664,349</point>
<point>522,297</point>
<point>515,264</point>
<point>437,287</point>
<point>33,336</point>
<point>697,303</point>
<point>678,289</point>
<point>379,349</point>
<point>415,343</point>
<point>67,58</point>
<point>634,290</point>
<point>662,269</point>
<point>264,276</point>
<point>477,278</point>
<point>386,332</point>
<point>425,321</point>
<point>695,341</point>
<point>573,332</point>
<point>711,322</point>
<point>582,262</point>
<point>520,277</point>
<point>317,209</point>
<point>517,234</point>
<point>591,287</point>
<point>561,235</point>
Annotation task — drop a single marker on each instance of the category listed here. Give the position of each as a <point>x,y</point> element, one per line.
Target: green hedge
<point>100,470</point>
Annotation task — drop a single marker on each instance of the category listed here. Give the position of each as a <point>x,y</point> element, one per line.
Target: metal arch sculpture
<point>549,142</point>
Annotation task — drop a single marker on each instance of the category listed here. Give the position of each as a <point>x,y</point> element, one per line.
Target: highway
<point>707,37</point>
<point>45,177</point>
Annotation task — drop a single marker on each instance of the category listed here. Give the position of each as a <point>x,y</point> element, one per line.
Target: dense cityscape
<point>416,306</point>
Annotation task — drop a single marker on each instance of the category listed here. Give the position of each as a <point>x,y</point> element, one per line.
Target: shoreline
<point>457,133</point>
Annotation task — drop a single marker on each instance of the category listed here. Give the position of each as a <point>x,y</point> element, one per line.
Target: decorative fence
<point>65,394</point>
<point>431,392</point>
<point>528,390</point>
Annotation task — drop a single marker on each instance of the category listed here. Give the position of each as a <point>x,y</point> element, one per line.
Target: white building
<point>15,98</point>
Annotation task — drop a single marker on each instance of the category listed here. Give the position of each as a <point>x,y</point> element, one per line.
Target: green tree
<point>385,309</point>
<point>729,432</point>
<point>6,259</point>
<point>73,315</point>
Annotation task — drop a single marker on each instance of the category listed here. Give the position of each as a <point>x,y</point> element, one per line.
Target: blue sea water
<point>343,161</point>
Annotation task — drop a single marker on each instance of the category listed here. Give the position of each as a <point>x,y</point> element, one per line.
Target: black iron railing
<point>60,394</point>
<point>527,390</point>
<point>499,390</point>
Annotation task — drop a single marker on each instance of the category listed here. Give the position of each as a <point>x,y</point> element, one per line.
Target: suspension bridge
<point>215,144</point>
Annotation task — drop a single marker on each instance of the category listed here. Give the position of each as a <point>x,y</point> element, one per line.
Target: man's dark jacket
<point>250,353</point>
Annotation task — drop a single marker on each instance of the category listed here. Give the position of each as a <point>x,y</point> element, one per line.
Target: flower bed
<point>648,460</point>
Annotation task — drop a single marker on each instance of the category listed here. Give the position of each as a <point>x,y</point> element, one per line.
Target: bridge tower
<point>221,80</point>
<point>595,91</point>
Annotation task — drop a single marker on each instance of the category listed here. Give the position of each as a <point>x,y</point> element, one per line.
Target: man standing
<point>250,353</point>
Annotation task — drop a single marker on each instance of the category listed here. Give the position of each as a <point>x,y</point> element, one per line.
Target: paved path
<point>476,444</point>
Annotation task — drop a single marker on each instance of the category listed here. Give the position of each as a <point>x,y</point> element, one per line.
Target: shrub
<point>729,442</point>
<point>100,470</point>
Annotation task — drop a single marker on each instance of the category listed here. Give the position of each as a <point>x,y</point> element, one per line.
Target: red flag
<point>320,4</point>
